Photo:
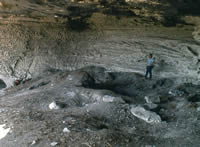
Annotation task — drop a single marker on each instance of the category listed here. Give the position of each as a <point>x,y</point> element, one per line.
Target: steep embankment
<point>31,48</point>
<point>118,35</point>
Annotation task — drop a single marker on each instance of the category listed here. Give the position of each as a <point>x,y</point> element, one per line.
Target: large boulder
<point>99,74</point>
<point>148,116</point>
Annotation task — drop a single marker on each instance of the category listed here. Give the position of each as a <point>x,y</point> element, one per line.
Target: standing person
<point>150,62</point>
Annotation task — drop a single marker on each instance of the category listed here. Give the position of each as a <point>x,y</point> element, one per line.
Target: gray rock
<point>148,116</point>
<point>99,74</point>
<point>152,99</point>
<point>54,143</point>
<point>57,105</point>
<point>176,92</point>
<point>151,105</point>
<point>181,104</point>
<point>80,79</point>
<point>93,95</point>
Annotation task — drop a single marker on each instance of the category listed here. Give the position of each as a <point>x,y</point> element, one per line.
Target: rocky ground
<point>93,107</point>
<point>72,73</point>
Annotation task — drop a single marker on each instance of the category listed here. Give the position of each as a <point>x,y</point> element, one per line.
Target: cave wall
<point>29,49</point>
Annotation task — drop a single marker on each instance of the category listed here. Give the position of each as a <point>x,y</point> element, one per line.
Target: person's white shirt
<point>150,62</point>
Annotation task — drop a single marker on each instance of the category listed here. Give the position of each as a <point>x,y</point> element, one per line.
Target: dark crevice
<point>193,51</point>
<point>2,84</point>
<point>194,98</point>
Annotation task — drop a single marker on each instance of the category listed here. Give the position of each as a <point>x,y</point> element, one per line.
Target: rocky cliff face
<point>28,50</point>
<point>117,35</point>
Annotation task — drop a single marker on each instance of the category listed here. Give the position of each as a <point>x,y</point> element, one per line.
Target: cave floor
<point>91,107</point>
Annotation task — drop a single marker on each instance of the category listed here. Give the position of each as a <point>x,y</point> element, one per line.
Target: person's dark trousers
<point>149,71</point>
